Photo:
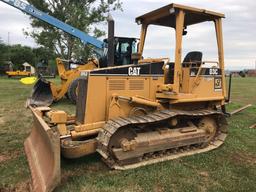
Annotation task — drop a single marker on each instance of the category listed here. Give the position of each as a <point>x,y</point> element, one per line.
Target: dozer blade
<point>41,94</point>
<point>42,149</point>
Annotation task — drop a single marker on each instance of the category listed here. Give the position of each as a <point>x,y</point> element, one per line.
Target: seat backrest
<point>193,56</point>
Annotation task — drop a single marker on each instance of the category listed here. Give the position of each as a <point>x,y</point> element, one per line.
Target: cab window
<point>124,47</point>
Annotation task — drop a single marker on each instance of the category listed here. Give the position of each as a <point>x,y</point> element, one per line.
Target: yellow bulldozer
<point>138,114</point>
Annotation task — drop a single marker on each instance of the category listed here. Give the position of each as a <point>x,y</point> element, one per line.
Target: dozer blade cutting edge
<point>41,94</point>
<point>42,149</point>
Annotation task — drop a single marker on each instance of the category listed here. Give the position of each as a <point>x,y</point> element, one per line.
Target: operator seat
<point>192,59</point>
<point>193,56</point>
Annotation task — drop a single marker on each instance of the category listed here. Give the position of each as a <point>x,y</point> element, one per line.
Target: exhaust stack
<point>111,41</point>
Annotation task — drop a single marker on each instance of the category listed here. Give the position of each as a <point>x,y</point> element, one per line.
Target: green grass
<point>229,168</point>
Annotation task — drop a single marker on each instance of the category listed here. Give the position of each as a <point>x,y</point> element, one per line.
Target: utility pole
<point>8,52</point>
<point>8,40</point>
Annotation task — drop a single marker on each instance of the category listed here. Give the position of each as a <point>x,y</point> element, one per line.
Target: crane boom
<point>31,10</point>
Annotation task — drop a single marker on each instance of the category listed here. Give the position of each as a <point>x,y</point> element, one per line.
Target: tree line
<point>18,54</point>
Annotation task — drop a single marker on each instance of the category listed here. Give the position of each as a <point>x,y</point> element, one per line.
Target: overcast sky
<point>239,28</point>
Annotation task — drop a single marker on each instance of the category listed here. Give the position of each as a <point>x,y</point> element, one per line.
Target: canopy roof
<point>165,16</point>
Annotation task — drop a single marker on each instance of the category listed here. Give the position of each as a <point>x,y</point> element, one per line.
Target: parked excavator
<point>138,114</point>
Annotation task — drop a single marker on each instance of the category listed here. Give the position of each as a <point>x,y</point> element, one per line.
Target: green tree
<point>42,53</point>
<point>4,57</point>
<point>19,54</point>
<point>82,14</point>
<point>3,52</point>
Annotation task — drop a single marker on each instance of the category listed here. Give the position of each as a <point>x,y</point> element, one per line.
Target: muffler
<point>41,94</point>
<point>42,149</point>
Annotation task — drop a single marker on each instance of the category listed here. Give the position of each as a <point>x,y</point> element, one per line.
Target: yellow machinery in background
<point>138,114</point>
<point>27,71</point>
<point>18,73</point>
<point>45,92</point>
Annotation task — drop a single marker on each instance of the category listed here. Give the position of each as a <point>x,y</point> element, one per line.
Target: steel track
<point>159,156</point>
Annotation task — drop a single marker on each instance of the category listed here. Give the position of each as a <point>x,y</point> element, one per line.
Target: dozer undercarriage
<point>138,114</point>
<point>131,142</point>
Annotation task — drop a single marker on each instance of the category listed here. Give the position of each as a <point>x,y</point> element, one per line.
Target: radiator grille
<point>116,85</point>
<point>136,84</point>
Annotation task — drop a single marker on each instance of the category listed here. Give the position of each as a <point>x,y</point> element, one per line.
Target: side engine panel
<point>130,80</point>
